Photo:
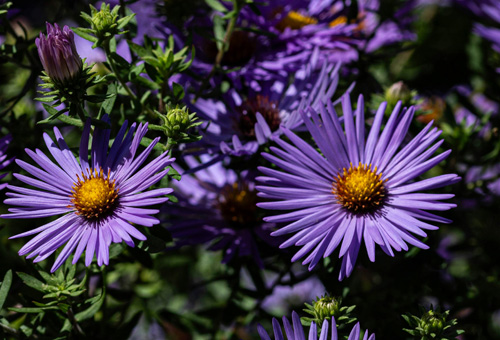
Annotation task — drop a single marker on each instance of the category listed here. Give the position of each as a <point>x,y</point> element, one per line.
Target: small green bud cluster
<point>104,24</point>
<point>432,325</point>
<point>398,91</point>
<point>165,61</point>
<point>326,307</point>
<point>176,123</point>
<point>104,20</point>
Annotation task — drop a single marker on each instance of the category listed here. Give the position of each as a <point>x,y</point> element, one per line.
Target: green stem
<point>120,79</point>
<point>81,113</point>
<point>117,75</point>
<point>225,42</point>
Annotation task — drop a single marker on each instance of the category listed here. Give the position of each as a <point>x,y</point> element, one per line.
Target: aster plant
<point>355,190</point>
<point>99,199</point>
<point>295,331</point>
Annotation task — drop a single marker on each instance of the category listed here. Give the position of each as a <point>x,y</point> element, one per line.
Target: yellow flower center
<point>94,196</point>
<point>338,21</point>
<point>295,20</point>
<point>237,204</point>
<point>359,189</point>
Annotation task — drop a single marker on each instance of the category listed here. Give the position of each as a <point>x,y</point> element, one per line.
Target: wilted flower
<point>99,199</point>
<point>296,331</point>
<point>58,54</point>
<point>354,190</point>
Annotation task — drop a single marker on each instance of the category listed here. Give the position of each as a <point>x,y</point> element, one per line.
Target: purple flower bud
<point>58,53</point>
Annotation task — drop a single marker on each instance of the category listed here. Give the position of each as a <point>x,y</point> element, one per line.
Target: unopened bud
<point>432,322</point>
<point>398,92</point>
<point>104,21</point>
<point>58,54</point>
<point>177,121</point>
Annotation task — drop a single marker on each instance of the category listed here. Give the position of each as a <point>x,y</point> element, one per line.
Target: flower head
<point>296,331</point>
<point>354,190</point>
<point>241,123</point>
<point>219,207</point>
<point>98,199</point>
<point>58,53</point>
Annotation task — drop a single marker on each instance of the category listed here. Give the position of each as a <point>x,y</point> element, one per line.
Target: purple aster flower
<point>284,297</point>
<point>295,330</point>
<point>219,207</point>
<point>354,190</point>
<point>58,53</point>
<point>4,161</point>
<point>301,26</point>
<point>98,199</point>
<point>489,10</point>
<point>239,124</point>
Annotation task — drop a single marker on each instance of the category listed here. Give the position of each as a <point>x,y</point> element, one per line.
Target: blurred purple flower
<point>99,199</point>
<point>4,160</point>
<point>487,10</point>
<point>354,190</point>
<point>239,124</point>
<point>295,331</point>
<point>283,298</point>
<point>219,207</point>
<point>58,53</point>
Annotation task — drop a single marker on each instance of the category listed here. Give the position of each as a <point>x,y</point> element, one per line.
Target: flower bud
<point>398,92</point>
<point>326,307</point>
<point>432,322</point>
<point>104,21</point>
<point>58,54</point>
<point>178,121</point>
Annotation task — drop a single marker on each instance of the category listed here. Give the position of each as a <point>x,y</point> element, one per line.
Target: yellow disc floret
<point>359,189</point>
<point>295,20</point>
<point>237,204</point>
<point>94,196</point>
<point>341,20</point>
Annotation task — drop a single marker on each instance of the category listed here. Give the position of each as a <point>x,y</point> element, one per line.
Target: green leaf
<point>147,83</point>
<point>146,141</point>
<point>46,99</point>
<point>70,121</point>
<point>86,17</point>
<point>216,5</point>
<point>82,33</point>
<point>138,49</point>
<point>124,21</point>
<point>32,309</point>
<point>96,98</point>
<point>219,31</point>
<point>94,308</point>
<point>174,173</point>
<point>32,282</point>
<point>4,290</point>
<point>109,102</point>
<point>178,90</point>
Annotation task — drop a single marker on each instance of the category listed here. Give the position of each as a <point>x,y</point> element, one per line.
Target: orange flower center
<point>359,189</point>
<point>94,196</point>
<point>295,20</point>
<point>237,204</point>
